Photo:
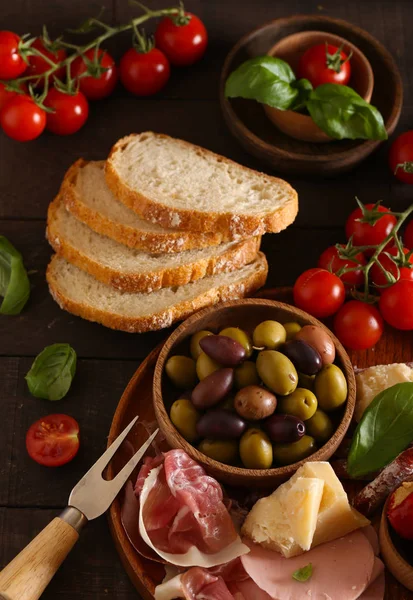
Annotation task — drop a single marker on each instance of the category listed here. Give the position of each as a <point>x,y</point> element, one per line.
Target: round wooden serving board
<point>395,346</point>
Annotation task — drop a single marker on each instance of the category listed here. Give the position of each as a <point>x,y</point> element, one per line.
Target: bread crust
<point>154,242</point>
<point>164,318</point>
<point>240,254</point>
<point>232,226</point>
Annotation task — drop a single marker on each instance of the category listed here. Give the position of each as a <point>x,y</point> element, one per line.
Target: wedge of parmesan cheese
<point>373,380</point>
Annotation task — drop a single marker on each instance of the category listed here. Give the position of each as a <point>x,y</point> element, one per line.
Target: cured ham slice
<point>342,570</point>
<point>195,584</point>
<point>182,515</point>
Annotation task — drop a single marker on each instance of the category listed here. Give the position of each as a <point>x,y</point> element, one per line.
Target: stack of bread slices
<point>159,230</point>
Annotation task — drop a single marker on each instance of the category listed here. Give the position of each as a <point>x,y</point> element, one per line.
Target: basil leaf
<point>385,430</point>
<point>341,113</point>
<point>52,372</point>
<point>303,574</point>
<point>304,88</point>
<point>14,282</point>
<point>266,79</point>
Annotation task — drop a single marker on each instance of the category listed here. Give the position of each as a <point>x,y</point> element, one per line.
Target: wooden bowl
<point>246,314</point>
<point>248,123</point>
<point>290,49</point>
<point>395,562</point>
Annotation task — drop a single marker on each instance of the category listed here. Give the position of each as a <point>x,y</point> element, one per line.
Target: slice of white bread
<point>179,185</point>
<point>132,270</point>
<point>80,294</point>
<point>89,199</point>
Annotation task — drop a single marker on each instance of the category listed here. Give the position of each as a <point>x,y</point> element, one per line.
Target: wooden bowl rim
<point>387,542</point>
<point>164,421</point>
<point>368,145</point>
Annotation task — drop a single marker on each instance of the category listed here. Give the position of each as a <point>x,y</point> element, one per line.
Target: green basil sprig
<point>52,372</point>
<point>337,109</point>
<point>384,431</point>
<point>14,282</point>
<point>303,574</point>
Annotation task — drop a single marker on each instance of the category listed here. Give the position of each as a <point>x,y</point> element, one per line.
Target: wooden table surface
<point>31,495</point>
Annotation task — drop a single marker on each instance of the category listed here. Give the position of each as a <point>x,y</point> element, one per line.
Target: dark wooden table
<point>31,495</point>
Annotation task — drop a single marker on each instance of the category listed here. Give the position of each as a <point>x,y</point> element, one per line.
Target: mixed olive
<point>260,400</point>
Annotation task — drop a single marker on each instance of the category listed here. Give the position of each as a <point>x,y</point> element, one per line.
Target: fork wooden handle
<point>29,573</point>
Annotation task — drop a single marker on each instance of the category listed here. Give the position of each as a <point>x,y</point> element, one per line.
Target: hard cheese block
<point>309,509</point>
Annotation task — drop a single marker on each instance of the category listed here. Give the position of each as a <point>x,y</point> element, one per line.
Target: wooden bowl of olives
<point>252,389</point>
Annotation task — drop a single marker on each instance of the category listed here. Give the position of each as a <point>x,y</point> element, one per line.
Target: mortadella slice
<point>372,537</point>
<point>342,570</point>
<point>375,591</point>
<point>250,590</point>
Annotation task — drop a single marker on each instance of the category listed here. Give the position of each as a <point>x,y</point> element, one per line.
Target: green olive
<point>246,374</point>
<point>287,454</point>
<point>269,334</point>
<point>194,346</point>
<point>255,449</point>
<point>320,426</point>
<point>291,329</point>
<point>330,387</point>
<point>181,371</point>
<point>277,372</point>
<point>301,403</point>
<point>205,366</point>
<point>225,451</point>
<point>239,336</point>
<point>185,417</point>
<point>306,381</point>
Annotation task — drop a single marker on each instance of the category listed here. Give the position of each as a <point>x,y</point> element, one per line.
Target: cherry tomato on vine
<point>319,292</point>
<point>53,441</point>
<point>331,261</point>
<point>144,73</point>
<point>12,64</point>
<point>95,88</point>
<point>6,95</point>
<point>396,305</point>
<point>38,65</point>
<point>358,325</point>
<point>401,157</point>
<point>70,112</point>
<point>21,119</point>
<point>324,63</point>
<point>365,234</point>
<point>183,38</point>
<point>408,235</point>
<point>378,277</point>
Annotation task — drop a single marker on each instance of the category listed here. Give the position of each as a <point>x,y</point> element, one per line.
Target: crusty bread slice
<point>179,185</point>
<point>80,294</point>
<point>132,270</point>
<point>89,199</point>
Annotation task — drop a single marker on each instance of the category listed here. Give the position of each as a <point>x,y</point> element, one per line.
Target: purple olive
<point>220,424</point>
<point>223,349</point>
<point>284,429</point>
<point>213,388</point>
<point>304,357</point>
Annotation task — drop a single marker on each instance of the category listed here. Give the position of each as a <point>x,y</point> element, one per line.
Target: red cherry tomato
<point>324,64</point>
<point>331,261</point>
<point>401,157</point>
<point>319,292</point>
<point>184,44</point>
<point>377,275</point>
<point>95,88</point>
<point>53,441</point>
<point>396,305</point>
<point>12,64</point>
<point>408,235</point>
<point>358,325</point>
<point>70,112</point>
<point>6,95</point>
<point>365,234</point>
<point>38,65</point>
<point>144,73</point>
<point>21,119</point>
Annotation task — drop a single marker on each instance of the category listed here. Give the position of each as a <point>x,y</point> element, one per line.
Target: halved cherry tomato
<point>53,440</point>
<point>6,95</point>
<point>365,234</point>
<point>319,292</point>
<point>38,65</point>
<point>331,261</point>
<point>144,73</point>
<point>183,38</point>
<point>70,112</point>
<point>401,157</point>
<point>12,64</point>
<point>95,88</point>
<point>396,305</point>
<point>358,325</point>
<point>408,235</point>
<point>21,119</point>
<point>378,277</point>
<point>324,63</point>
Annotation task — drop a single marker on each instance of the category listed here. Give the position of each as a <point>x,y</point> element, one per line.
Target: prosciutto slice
<point>195,584</point>
<point>182,515</point>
